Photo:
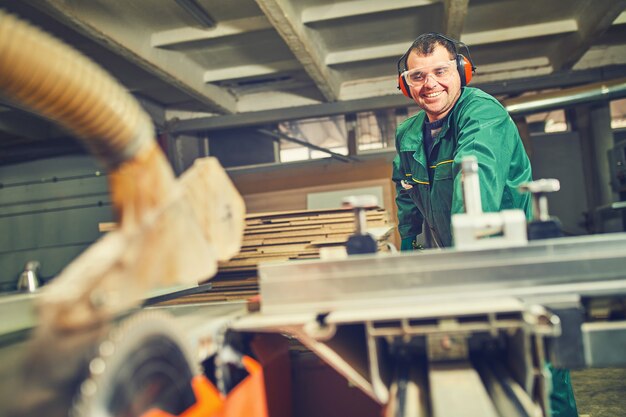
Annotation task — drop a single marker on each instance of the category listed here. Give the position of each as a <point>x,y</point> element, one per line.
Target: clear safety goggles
<point>440,72</point>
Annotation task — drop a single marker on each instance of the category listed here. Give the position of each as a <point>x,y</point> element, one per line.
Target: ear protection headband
<point>464,65</point>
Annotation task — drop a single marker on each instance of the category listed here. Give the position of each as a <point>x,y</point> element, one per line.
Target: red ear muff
<point>465,69</point>
<point>404,87</point>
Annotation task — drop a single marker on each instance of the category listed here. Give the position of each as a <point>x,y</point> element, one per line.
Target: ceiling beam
<point>527,72</point>
<point>302,43</point>
<point>179,37</point>
<point>509,86</point>
<point>508,70</point>
<point>594,19</point>
<point>23,125</point>
<point>257,118</point>
<point>369,87</point>
<point>454,17</point>
<point>346,9</point>
<point>248,71</point>
<point>366,54</point>
<point>133,44</point>
<point>198,13</point>
<point>560,79</point>
<point>521,68</point>
<point>536,62</point>
<point>471,39</point>
<point>520,32</point>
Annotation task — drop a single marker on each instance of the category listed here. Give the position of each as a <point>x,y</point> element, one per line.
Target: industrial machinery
<point>434,333</point>
<point>440,332</point>
<point>424,334</point>
<point>466,331</point>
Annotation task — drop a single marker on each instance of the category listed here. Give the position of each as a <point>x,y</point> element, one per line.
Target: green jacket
<point>477,125</point>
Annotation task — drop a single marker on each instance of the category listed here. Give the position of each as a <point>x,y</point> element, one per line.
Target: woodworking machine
<point>450,332</point>
<point>425,334</point>
<point>468,331</point>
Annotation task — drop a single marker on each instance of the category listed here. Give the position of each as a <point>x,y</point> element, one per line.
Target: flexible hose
<point>59,83</point>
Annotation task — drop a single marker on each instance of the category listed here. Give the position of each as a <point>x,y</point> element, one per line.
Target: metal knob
<point>28,280</point>
<point>539,190</point>
<point>360,203</point>
<point>471,185</point>
<point>361,241</point>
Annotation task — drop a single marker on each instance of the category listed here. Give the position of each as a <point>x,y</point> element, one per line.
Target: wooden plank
<point>211,297</point>
<point>251,262</point>
<point>303,222</point>
<point>328,222</point>
<point>307,213</point>
<point>288,240</point>
<point>240,268</point>
<point>265,255</point>
<point>329,241</point>
<point>292,235</point>
<point>293,212</point>
<point>235,282</point>
<point>283,248</point>
<point>296,233</point>
<point>253,230</point>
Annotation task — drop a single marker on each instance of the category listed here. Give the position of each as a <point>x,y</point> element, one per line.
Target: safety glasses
<point>417,76</point>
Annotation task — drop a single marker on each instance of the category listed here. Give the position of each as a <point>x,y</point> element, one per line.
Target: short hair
<point>425,45</point>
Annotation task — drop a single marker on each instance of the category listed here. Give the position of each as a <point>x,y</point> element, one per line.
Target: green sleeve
<point>409,218</point>
<point>486,131</point>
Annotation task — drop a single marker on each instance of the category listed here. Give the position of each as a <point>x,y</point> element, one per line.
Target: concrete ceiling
<point>276,55</point>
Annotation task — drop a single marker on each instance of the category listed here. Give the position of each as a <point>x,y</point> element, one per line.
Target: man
<point>457,121</point>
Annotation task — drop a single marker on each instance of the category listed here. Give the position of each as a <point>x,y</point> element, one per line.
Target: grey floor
<point>600,392</point>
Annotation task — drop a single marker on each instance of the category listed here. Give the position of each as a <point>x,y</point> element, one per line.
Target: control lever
<point>542,226</point>
<point>476,229</point>
<point>361,241</point>
<point>471,186</point>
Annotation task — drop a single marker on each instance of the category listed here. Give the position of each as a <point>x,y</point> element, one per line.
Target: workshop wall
<point>285,187</point>
<point>558,155</point>
<point>49,212</point>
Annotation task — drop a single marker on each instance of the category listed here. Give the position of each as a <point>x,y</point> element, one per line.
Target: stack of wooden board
<point>285,236</point>
<point>292,235</point>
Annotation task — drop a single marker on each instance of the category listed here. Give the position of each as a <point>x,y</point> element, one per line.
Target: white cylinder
<point>471,185</point>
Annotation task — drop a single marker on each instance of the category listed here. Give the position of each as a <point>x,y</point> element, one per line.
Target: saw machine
<point>469,331</point>
<point>450,332</point>
<point>434,333</point>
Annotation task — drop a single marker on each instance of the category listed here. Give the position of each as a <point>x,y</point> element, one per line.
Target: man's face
<point>440,85</point>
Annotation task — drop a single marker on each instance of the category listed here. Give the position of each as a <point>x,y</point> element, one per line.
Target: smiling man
<point>456,121</point>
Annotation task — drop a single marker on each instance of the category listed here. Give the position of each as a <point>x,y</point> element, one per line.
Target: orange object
<point>247,399</point>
